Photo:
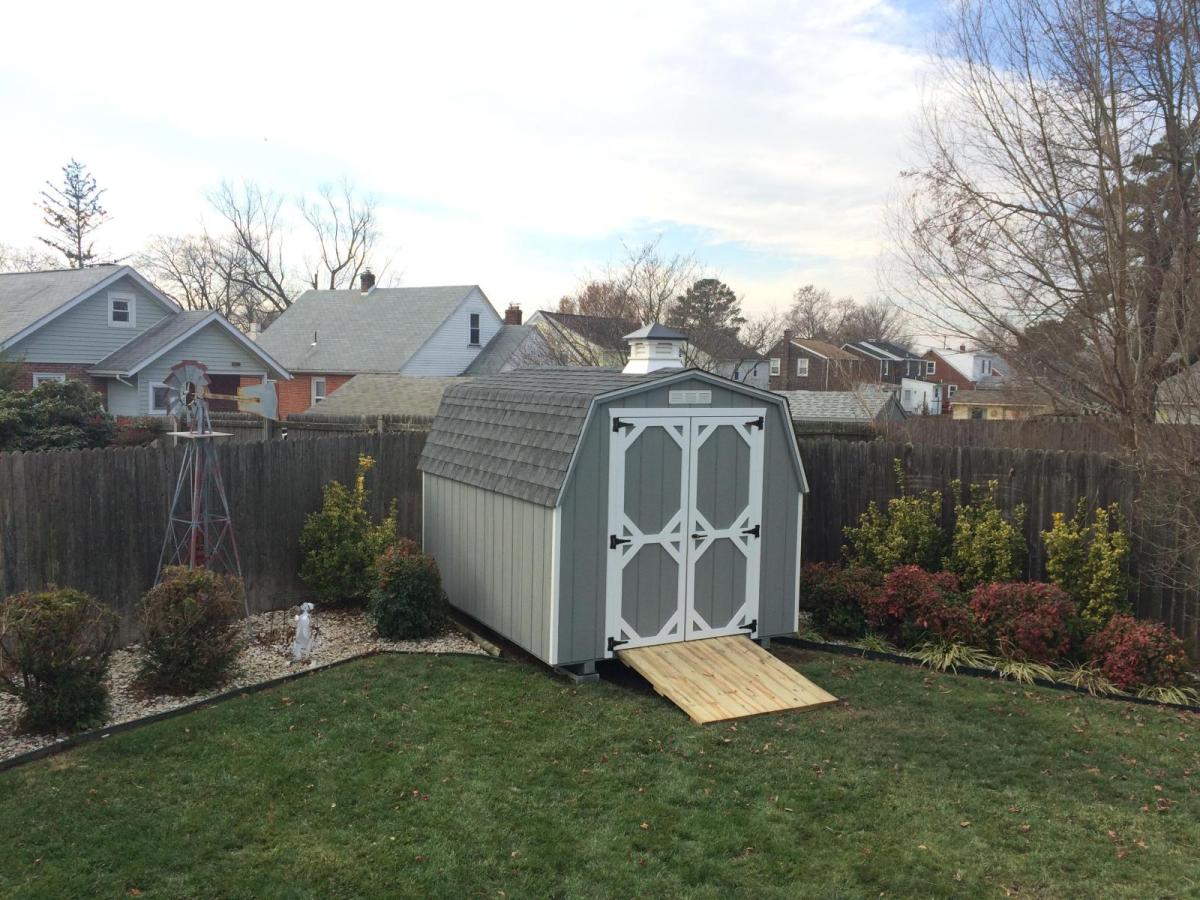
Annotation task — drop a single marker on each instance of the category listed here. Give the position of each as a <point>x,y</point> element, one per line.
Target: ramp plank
<point>722,678</point>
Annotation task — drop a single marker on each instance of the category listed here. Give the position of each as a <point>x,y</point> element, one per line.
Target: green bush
<point>907,533</point>
<point>407,600</point>
<point>1090,562</point>
<point>833,598</point>
<point>340,543</point>
<point>986,546</point>
<point>54,651</point>
<point>54,416</point>
<point>190,635</point>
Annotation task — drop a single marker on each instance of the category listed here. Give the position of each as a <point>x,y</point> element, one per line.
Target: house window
<point>802,368</point>
<point>160,399</point>
<point>951,389</point>
<point>930,367</point>
<point>475,329</point>
<point>121,311</point>
<point>39,377</point>
<point>985,366</point>
<point>976,412</point>
<point>884,367</point>
<point>318,390</point>
<point>775,370</point>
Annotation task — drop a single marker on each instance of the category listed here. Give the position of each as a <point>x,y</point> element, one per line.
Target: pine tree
<point>709,305</point>
<point>73,211</point>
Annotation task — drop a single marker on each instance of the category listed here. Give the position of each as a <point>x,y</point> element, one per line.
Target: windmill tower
<point>199,529</point>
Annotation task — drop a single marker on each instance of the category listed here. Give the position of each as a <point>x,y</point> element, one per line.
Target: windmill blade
<point>260,399</point>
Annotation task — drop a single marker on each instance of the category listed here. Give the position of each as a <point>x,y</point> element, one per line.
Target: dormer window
<point>475,329</point>
<point>121,310</point>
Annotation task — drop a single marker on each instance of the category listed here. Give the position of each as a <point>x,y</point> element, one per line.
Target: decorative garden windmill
<point>199,529</point>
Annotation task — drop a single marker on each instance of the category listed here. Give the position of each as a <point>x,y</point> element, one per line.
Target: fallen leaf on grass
<point>965,823</point>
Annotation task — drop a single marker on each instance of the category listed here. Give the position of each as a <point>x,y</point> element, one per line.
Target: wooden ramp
<point>724,678</point>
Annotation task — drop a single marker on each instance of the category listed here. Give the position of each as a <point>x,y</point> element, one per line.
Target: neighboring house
<point>1001,402</point>
<point>110,327</point>
<point>890,362</point>
<point>920,398</point>
<point>575,340</point>
<point>1179,399</point>
<point>327,337</point>
<point>515,346</point>
<point>805,364</point>
<point>385,395</point>
<point>962,370</point>
<point>850,407</point>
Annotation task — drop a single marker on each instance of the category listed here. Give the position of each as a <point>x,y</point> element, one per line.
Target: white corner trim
<point>555,562</point>
<point>799,548</point>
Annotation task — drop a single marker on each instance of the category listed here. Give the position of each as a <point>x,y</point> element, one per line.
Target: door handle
<point>614,541</point>
<point>754,531</point>
<point>697,535</point>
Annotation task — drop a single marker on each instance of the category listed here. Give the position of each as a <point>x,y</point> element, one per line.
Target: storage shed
<point>577,511</point>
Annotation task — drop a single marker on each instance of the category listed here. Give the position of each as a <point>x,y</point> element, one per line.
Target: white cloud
<point>777,125</point>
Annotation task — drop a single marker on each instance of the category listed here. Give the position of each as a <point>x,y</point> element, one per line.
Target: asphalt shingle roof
<point>384,395</point>
<point>26,297</point>
<point>515,434</point>
<point>500,349</point>
<point>838,406</point>
<point>378,331</point>
<point>150,341</point>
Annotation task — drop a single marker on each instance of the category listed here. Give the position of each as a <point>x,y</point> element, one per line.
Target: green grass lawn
<point>454,776</point>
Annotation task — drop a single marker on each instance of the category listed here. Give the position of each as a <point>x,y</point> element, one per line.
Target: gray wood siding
<point>584,512</point>
<point>448,350</point>
<point>494,553</point>
<point>83,335</point>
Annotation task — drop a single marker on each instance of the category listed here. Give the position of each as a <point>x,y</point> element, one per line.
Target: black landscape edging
<point>883,656</point>
<point>97,734</point>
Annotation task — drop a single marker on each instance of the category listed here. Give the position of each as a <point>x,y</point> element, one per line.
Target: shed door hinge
<point>619,424</point>
<point>757,423</point>
<point>754,531</point>
<point>614,542</point>
<point>751,628</point>
<point>613,644</point>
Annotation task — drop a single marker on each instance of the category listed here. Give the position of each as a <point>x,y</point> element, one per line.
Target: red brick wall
<point>73,371</point>
<point>295,396</point>
<point>945,375</point>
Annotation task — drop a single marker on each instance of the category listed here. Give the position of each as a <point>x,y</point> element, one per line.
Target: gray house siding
<point>449,351</point>
<point>584,523</point>
<point>82,334</point>
<point>494,553</point>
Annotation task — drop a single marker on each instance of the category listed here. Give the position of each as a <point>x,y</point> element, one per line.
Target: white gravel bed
<point>338,634</point>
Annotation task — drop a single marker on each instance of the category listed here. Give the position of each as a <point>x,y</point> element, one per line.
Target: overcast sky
<point>512,145</point>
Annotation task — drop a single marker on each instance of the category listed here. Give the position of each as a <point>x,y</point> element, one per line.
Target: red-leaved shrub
<point>1026,620</point>
<point>1133,653</point>
<point>913,601</point>
<point>833,597</point>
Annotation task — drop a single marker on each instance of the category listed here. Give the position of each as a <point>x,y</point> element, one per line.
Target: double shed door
<point>685,524</point>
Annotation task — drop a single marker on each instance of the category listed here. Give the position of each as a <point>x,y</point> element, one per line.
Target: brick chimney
<point>366,280</point>
<point>512,315</point>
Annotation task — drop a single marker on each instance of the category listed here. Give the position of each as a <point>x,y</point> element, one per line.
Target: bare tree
<point>876,318</point>
<point>346,232</point>
<point>762,331</point>
<point>1056,211</point>
<point>651,280</point>
<point>1058,192</point>
<point>25,259</point>
<point>599,297</point>
<point>203,272</point>
<point>73,211</point>
<point>256,230</point>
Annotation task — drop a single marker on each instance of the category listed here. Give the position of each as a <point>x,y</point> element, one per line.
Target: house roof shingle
<point>377,331</point>
<point>384,395</point>
<point>150,341</point>
<point>26,297</point>
<point>840,406</point>
<point>500,350</point>
<point>822,348</point>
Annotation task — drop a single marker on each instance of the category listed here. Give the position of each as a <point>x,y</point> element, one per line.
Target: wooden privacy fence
<point>94,519</point>
<point>845,477</point>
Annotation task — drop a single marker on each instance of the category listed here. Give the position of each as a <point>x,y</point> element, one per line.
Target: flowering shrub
<point>1089,562</point>
<point>986,545</point>
<point>913,601</point>
<point>407,600</point>
<point>907,533</point>
<point>1026,621</point>
<point>54,650</point>
<point>340,543</point>
<point>1133,653</point>
<point>833,597</point>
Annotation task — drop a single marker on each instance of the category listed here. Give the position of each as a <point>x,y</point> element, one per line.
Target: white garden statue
<point>302,645</point>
